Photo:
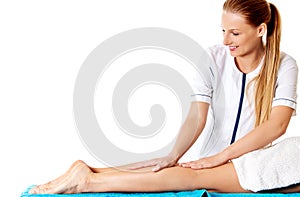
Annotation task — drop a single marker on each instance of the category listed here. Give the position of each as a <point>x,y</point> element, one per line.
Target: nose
<point>226,39</point>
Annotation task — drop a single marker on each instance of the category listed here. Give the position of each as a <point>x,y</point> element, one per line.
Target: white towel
<point>274,167</point>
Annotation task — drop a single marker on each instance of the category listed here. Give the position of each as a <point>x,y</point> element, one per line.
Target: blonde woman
<point>260,98</point>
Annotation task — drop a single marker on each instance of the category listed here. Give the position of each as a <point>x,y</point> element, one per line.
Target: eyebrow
<point>232,29</point>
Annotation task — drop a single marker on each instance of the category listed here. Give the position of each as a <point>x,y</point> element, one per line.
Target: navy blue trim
<point>239,110</point>
<point>285,100</point>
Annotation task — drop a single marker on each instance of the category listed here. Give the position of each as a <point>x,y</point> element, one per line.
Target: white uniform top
<point>232,102</point>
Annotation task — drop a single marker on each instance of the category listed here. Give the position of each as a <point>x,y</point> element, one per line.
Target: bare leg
<point>81,178</point>
<point>221,179</point>
<point>128,167</point>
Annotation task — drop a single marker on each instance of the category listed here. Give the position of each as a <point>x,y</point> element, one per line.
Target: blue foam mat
<point>195,193</point>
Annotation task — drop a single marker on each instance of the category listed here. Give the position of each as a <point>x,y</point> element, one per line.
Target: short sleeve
<point>286,84</point>
<point>202,90</point>
<point>202,80</point>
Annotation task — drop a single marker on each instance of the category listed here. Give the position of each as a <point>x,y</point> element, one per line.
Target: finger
<point>185,165</point>
<point>140,165</point>
<point>196,167</point>
<point>134,166</point>
<point>160,166</point>
<point>156,168</point>
<point>200,166</point>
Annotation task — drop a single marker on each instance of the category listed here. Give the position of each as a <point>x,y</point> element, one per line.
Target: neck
<point>249,62</point>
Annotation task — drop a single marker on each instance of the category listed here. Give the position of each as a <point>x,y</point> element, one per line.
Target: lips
<point>233,48</point>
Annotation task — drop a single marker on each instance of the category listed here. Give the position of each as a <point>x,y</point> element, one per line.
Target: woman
<point>265,82</point>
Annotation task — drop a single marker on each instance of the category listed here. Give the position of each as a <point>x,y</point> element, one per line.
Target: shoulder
<point>287,62</point>
<point>287,75</point>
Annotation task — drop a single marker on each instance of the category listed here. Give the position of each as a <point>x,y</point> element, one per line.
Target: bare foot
<point>73,181</point>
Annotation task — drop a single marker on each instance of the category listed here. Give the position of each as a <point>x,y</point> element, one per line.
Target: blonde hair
<point>257,12</point>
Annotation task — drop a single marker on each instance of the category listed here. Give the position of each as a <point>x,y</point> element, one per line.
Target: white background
<point>42,46</point>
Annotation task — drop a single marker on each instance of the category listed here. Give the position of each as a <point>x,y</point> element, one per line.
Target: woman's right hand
<point>156,164</point>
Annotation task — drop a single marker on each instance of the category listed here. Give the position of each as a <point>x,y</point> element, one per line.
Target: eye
<point>235,33</point>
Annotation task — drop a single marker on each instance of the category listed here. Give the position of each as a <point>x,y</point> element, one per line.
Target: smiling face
<point>241,37</point>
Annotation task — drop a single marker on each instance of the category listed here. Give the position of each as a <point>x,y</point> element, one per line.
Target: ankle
<point>86,183</point>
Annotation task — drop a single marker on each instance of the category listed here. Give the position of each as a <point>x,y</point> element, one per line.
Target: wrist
<point>174,156</point>
<point>227,154</point>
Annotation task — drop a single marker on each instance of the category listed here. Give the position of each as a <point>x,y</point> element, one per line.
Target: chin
<point>233,54</point>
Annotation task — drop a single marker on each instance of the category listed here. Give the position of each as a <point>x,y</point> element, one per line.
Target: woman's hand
<point>156,164</point>
<point>208,162</point>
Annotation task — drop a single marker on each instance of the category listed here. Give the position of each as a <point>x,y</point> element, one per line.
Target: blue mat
<point>195,193</point>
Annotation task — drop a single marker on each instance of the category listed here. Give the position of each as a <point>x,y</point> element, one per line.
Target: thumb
<point>156,168</point>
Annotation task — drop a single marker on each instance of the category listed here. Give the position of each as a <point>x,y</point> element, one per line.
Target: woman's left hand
<point>208,162</point>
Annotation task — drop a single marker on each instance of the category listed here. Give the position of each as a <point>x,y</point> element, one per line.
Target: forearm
<point>191,129</point>
<point>262,135</point>
<point>256,139</point>
<point>185,139</point>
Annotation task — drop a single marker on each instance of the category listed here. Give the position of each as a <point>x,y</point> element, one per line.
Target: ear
<point>261,30</point>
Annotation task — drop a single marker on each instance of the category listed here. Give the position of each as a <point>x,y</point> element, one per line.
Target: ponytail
<point>266,80</point>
